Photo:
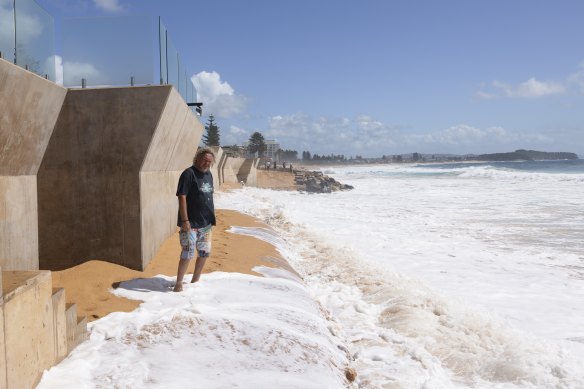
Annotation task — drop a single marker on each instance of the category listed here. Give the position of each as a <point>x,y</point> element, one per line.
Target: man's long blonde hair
<point>201,152</point>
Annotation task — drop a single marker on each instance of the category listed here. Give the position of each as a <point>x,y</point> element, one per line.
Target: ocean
<point>442,275</point>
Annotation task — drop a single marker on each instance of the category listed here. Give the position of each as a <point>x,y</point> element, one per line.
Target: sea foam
<point>428,286</point>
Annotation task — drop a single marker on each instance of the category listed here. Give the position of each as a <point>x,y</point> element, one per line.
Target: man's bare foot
<point>178,288</point>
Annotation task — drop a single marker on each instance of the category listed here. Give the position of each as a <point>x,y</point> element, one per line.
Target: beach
<point>250,320</point>
<point>437,276</point>
<point>89,285</point>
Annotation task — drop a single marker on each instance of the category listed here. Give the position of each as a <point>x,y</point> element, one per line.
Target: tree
<point>211,138</point>
<point>257,144</point>
<point>287,155</point>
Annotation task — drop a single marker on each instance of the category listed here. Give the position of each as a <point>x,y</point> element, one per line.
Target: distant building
<point>271,153</point>
<point>272,148</point>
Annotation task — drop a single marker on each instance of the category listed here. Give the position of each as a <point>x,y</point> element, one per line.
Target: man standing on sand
<point>196,214</point>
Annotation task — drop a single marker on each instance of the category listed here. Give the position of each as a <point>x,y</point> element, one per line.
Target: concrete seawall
<point>91,173</point>
<point>30,107</point>
<point>106,185</point>
<point>233,170</point>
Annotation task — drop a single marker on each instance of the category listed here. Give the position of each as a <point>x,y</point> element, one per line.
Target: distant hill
<point>525,155</point>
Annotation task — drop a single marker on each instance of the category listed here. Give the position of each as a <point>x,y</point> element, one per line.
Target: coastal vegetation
<point>257,144</point>
<point>211,137</point>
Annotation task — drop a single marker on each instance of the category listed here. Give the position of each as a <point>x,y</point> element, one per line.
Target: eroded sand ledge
<point>89,284</point>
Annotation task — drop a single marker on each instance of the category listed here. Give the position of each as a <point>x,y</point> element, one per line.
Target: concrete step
<point>37,328</point>
<point>81,333</point>
<point>59,324</point>
<point>76,327</point>
<point>71,319</point>
<point>28,327</point>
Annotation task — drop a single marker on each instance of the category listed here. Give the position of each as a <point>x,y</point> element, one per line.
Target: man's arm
<point>184,216</point>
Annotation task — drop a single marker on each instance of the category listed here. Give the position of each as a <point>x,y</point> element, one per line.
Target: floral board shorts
<point>198,239</point>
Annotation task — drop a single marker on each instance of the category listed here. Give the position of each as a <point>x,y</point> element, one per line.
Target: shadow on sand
<point>154,284</point>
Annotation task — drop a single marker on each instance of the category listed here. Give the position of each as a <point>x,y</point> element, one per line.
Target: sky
<point>378,77</point>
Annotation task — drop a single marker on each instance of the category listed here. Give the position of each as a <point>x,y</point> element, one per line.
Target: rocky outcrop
<point>317,182</point>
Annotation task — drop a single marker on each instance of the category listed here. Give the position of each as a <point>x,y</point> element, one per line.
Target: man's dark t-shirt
<point>198,187</point>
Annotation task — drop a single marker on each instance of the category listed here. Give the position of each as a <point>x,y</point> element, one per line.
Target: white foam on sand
<point>228,330</point>
<point>398,296</point>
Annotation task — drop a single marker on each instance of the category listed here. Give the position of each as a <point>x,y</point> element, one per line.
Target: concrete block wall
<point>30,106</point>
<point>59,324</point>
<point>232,170</point>
<point>28,329</point>
<point>107,181</point>
<point>217,168</point>
<point>2,341</point>
<point>247,171</point>
<point>33,328</point>
<point>171,150</point>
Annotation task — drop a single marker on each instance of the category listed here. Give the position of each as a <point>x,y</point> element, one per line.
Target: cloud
<point>218,97</point>
<point>530,89</point>
<point>325,135</point>
<point>73,72</point>
<point>30,26</point>
<point>234,135</point>
<point>367,136</point>
<point>577,78</point>
<point>112,6</point>
<point>59,69</point>
<point>467,138</point>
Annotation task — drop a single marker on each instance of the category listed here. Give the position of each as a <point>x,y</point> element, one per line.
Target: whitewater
<point>423,276</point>
<point>453,275</point>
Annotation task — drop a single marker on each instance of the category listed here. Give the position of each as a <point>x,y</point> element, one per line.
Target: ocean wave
<point>401,332</point>
<point>468,172</point>
<point>515,175</point>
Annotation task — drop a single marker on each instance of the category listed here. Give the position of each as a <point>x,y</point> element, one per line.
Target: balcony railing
<point>96,52</point>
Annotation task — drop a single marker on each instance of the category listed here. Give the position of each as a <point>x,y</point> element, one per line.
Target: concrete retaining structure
<point>2,336</point>
<point>247,171</point>
<point>33,327</point>
<point>107,182</point>
<point>231,170</point>
<point>30,107</point>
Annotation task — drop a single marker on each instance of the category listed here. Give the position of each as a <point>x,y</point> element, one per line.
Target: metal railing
<point>27,36</point>
<point>96,52</point>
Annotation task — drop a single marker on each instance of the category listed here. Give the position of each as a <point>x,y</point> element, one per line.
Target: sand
<point>89,284</point>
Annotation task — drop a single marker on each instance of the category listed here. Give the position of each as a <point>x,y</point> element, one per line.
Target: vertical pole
<point>83,82</point>
<point>14,14</point>
<point>166,54</point>
<point>132,81</point>
<point>160,48</point>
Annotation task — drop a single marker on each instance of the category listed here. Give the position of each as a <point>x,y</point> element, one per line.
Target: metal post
<point>83,83</point>
<point>166,54</point>
<point>160,47</point>
<point>132,81</point>
<point>14,13</point>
